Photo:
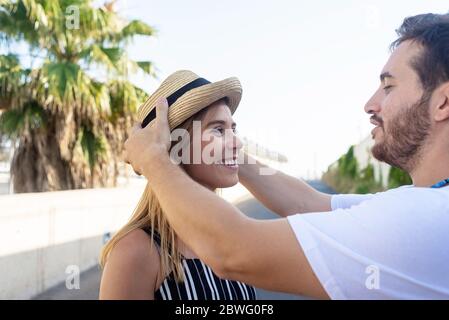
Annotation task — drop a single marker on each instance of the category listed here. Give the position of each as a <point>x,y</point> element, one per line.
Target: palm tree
<point>69,110</point>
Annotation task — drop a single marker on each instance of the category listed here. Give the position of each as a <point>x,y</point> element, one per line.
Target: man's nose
<point>372,106</point>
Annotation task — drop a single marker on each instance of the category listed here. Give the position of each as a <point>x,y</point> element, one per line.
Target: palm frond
<point>125,98</point>
<point>61,78</point>
<point>102,56</point>
<point>147,67</point>
<point>94,147</point>
<point>100,95</point>
<point>23,20</point>
<point>30,116</point>
<point>11,122</point>
<point>12,78</point>
<point>136,27</point>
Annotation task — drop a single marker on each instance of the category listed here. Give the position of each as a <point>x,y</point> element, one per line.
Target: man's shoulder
<point>411,190</point>
<point>410,197</point>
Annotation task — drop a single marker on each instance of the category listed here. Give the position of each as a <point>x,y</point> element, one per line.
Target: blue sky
<point>307,67</point>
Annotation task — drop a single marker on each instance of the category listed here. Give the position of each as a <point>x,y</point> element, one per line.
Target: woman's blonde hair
<point>148,214</point>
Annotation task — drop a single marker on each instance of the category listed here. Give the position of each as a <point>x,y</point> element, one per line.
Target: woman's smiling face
<point>218,165</point>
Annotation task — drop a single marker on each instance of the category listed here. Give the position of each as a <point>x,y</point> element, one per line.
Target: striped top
<point>200,283</point>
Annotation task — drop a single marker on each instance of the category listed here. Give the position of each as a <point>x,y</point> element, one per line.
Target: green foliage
<point>347,178</point>
<point>347,164</point>
<point>398,177</point>
<point>11,122</point>
<point>93,146</point>
<point>366,182</point>
<point>31,115</point>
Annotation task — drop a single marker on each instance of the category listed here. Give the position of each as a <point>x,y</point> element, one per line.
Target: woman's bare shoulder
<point>132,268</point>
<point>136,248</point>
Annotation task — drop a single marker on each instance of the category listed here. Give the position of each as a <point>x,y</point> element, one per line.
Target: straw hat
<point>187,94</point>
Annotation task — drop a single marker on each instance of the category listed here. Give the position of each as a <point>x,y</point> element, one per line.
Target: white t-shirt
<point>388,245</point>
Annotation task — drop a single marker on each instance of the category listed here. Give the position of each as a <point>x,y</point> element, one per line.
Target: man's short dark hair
<point>431,31</point>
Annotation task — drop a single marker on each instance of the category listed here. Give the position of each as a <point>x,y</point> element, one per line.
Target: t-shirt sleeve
<point>384,248</point>
<point>344,201</point>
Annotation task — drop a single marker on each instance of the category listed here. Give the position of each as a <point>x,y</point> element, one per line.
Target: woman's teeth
<point>227,162</point>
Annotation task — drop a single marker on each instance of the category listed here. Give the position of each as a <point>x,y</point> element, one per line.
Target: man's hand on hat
<point>145,146</point>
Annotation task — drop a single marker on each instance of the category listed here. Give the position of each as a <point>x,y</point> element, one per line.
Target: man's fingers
<point>125,156</point>
<point>141,138</point>
<point>137,126</point>
<point>162,113</point>
<point>134,128</point>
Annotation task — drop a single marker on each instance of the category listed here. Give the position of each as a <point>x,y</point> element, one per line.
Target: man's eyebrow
<point>385,75</point>
<point>219,122</point>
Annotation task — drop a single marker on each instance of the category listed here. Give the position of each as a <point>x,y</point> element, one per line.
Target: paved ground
<point>90,279</point>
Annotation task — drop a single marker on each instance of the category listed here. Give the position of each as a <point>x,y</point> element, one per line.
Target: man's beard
<point>405,136</point>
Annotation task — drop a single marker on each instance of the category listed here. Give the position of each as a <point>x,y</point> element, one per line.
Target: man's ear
<point>442,103</point>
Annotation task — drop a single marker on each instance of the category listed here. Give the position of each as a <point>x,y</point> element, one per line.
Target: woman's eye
<point>221,131</point>
<point>387,88</point>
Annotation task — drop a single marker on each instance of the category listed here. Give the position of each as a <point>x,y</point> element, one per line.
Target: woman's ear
<point>442,108</point>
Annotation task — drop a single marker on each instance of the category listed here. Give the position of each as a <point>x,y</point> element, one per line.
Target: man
<point>392,244</point>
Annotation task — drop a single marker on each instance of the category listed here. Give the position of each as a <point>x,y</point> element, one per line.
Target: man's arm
<point>281,193</point>
<point>262,253</point>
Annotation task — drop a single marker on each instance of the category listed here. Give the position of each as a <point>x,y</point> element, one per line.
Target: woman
<point>145,259</point>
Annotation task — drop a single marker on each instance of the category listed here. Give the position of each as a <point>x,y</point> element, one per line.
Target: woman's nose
<point>233,141</point>
<point>238,142</point>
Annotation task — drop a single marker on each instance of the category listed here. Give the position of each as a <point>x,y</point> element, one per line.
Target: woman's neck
<point>184,249</point>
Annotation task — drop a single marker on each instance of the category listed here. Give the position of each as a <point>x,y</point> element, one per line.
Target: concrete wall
<point>43,233</point>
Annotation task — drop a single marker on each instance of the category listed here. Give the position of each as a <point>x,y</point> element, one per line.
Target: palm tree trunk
<point>49,158</point>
